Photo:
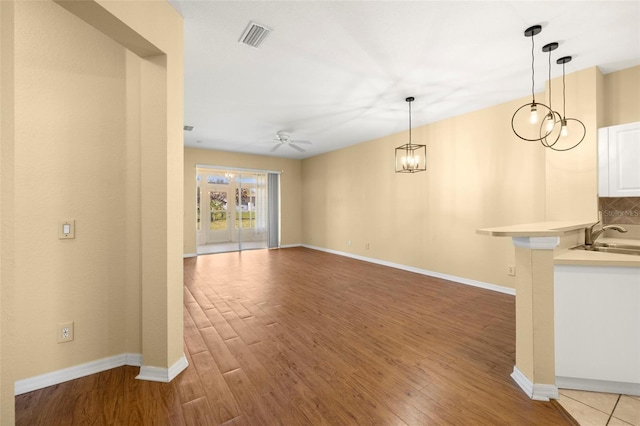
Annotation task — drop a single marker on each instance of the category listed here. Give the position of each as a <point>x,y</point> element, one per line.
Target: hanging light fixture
<point>550,126</point>
<point>411,158</point>
<point>572,131</point>
<point>524,121</point>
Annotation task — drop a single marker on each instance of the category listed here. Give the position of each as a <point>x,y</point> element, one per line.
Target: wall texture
<point>478,175</point>
<point>7,212</point>
<point>571,177</point>
<point>77,109</point>
<point>621,97</point>
<point>290,188</point>
<point>70,155</point>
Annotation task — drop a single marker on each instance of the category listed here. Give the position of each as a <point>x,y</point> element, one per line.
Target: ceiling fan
<point>284,138</point>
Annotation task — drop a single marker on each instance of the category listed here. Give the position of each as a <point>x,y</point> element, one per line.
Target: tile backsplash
<point>620,211</point>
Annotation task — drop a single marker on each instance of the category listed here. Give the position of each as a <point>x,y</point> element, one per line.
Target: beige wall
<point>571,177</point>
<point>7,212</point>
<point>290,189</point>
<point>68,165</point>
<point>622,97</point>
<point>77,109</point>
<point>478,174</point>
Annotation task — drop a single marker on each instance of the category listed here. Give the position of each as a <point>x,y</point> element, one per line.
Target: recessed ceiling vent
<point>254,34</point>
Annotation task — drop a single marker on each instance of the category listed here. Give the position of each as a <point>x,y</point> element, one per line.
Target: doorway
<point>235,210</point>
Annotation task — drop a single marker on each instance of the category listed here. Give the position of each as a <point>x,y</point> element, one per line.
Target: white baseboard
<point>93,367</point>
<point>165,375</point>
<point>598,385</point>
<point>187,255</point>
<point>460,280</point>
<point>536,391</point>
<point>75,372</point>
<point>291,245</point>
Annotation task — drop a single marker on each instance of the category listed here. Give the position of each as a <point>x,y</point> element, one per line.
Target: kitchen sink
<point>611,248</point>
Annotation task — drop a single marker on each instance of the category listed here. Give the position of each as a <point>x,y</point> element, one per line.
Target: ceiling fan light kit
<point>553,131</point>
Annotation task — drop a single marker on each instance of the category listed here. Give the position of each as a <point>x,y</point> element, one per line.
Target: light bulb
<point>550,123</point>
<point>565,130</point>
<point>533,118</point>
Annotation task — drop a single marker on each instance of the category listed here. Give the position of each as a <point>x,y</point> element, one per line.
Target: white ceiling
<point>337,73</point>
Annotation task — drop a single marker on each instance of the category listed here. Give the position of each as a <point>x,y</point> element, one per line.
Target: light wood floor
<point>296,336</point>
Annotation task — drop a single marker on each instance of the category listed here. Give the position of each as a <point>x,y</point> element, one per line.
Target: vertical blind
<point>274,210</point>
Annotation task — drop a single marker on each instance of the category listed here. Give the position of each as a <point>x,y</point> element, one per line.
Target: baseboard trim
<point>164,375</point>
<point>535,391</point>
<point>592,385</point>
<point>291,245</point>
<point>75,372</point>
<point>187,255</point>
<point>453,278</point>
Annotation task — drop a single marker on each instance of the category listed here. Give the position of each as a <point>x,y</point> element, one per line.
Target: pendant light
<point>411,158</point>
<point>524,121</point>
<point>550,126</point>
<point>572,131</point>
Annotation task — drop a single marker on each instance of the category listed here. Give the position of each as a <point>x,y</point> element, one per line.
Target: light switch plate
<point>67,229</point>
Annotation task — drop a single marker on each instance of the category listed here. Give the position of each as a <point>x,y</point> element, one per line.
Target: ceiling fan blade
<point>297,148</point>
<point>276,147</point>
<point>302,142</point>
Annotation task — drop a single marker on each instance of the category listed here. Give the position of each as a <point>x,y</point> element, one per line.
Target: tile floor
<point>601,409</point>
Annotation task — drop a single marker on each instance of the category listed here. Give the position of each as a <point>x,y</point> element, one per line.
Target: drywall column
<point>535,355</point>
<point>571,177</point>
<point>153,31</point>
<point>535,345</point>
<point>7,212</point>
<point>154,202</point>
<point>159,363</point>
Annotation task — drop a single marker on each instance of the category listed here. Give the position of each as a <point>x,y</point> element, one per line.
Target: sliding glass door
<point>233,210</point>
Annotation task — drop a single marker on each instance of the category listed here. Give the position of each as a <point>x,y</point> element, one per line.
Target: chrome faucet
<point>590,235</point>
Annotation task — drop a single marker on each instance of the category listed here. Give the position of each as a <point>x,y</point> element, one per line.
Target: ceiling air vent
<point>188,128</point>
<point>254,34</point>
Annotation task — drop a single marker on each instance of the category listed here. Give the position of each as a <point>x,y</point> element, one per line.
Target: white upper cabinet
<point>619,161</point>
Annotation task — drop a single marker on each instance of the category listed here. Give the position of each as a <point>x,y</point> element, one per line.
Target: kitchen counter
<point>538,229</point>
<point>541,250</point>
<point>563,256</point>
<point>596,258</point>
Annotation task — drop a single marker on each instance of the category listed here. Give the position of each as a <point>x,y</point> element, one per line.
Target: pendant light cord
<point>564,96</point>
<point>550,82</point>
<point>533,71</point>
<point>409,123</point>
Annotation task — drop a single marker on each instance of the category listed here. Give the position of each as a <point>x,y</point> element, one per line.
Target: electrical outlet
<point>511,270</point>
<point>366,246</point>
<point>349,243</point>
<point>65,332</point>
